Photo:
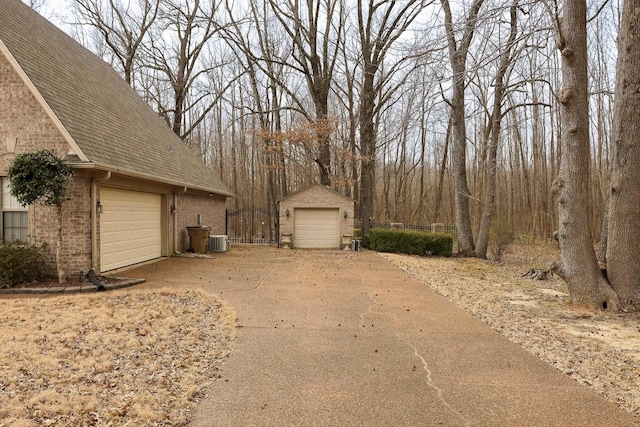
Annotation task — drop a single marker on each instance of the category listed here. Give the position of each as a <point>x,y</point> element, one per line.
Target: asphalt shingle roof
<point>108,121</point>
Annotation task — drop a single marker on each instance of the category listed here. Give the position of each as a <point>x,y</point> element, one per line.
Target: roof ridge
<point>106,118</point>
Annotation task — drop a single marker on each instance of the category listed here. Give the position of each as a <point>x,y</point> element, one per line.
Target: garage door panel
<point>316,228</point>
<point>128,242</point>
<point>130,228</point>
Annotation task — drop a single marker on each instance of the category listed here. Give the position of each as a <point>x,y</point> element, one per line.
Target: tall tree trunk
<point>443,167</point>
<point>324,141</point>
<point>536,229</point>
<point>458,59</point>
<point>488,208</point>
<point>282,166</point>
<point>418,212</point>
<point>354,167</point>
<point>368,150</point>
<point>235,142</point>
<point>623,248</point>
<point>601,254</point>
<point>459,158</point>
<point>578,265</point>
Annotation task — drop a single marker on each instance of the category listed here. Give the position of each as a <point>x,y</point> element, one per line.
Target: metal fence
<point>428,228</point>
<point>258,225</point>
<point>254,225</point>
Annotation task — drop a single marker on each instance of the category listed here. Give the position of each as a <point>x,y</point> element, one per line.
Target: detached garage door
<point>130,228</point>
<point>316,228</point>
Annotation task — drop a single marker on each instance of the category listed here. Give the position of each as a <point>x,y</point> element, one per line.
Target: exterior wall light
<point>345,214</point>
<point>287,213</point>
<point>99,207</point>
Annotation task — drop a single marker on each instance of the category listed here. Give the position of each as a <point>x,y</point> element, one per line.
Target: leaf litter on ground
<point>135,357</point>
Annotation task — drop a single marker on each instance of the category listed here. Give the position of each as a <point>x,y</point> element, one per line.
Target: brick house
<point>316,217</point>
<point>135,186</point>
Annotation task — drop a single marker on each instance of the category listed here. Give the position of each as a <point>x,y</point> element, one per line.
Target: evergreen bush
<point>21,263</point>
<point>410,242</point>
<point>40,176</point>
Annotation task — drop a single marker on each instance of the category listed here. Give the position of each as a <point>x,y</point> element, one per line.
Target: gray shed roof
<point>106,120</point>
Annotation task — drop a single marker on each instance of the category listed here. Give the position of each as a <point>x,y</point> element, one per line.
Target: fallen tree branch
<point>538,274</point>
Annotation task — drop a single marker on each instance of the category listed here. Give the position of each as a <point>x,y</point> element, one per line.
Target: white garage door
<point>130,228</point>
<point>316,228</point>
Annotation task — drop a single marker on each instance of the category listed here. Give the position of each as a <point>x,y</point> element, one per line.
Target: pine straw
<point>598,349</point>
<point>140,357</point>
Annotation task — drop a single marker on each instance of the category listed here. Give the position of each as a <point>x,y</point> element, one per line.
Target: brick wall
<point>22,118</point>
<point>211,208</point>
<point>24,121</point>
<point>76,228</point>
<point>315,196</point>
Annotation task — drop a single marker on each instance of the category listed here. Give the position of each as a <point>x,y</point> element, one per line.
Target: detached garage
<point>316,218</point>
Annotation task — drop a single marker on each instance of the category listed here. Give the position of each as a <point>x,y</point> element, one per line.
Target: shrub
<point>21,263</point>
<point>41,176</point>
<point>501,237</point>
<point>410,242</point>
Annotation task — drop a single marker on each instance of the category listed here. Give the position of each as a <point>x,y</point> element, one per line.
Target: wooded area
<point>423,111</point>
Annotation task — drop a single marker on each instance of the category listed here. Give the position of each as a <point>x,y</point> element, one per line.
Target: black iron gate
<point>252,225</point>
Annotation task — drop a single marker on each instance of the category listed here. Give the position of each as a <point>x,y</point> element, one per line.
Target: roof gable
<point>8,60</point>
<point>108,122</point>
<point>25,123</point>
<point>317,188</point>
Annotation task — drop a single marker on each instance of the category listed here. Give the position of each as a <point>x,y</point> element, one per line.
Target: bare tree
<point>380,25</point>
<point>264,81</point>
<point>578,265</point>
<point>315,28</point>
<point>176,53</point>
<point>458,57</point>
<point>243,88</point>
<point>623,246</point>
<point>496,122</point>
<point>123,27</point>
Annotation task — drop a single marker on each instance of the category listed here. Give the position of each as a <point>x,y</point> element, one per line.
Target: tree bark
<point>380,25</point>
<point>443,167</point>
<point>458,59</point>
<point>578,265</point>
<point>601,254</point>
<point>488,208</point>
<point>623,247</point>
<point>367,150</point>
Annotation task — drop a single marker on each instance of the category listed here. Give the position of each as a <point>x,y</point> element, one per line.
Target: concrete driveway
<point>342,338</point>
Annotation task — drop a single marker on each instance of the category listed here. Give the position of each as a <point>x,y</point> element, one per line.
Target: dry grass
<point>598,349</point>
<point>124,358</point>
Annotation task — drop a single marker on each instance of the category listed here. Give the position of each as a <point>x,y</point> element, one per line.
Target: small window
<point>14,218</point>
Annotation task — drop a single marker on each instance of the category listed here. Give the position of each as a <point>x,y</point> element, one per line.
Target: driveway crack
<point>264,276</point>
<point>369,309</point>
<point>437,389</point>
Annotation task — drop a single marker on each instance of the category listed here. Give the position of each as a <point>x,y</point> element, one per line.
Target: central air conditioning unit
<point>218,243</point>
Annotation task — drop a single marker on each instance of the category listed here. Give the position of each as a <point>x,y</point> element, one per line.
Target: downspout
<point>175,219</point>
<point>94,219</point>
